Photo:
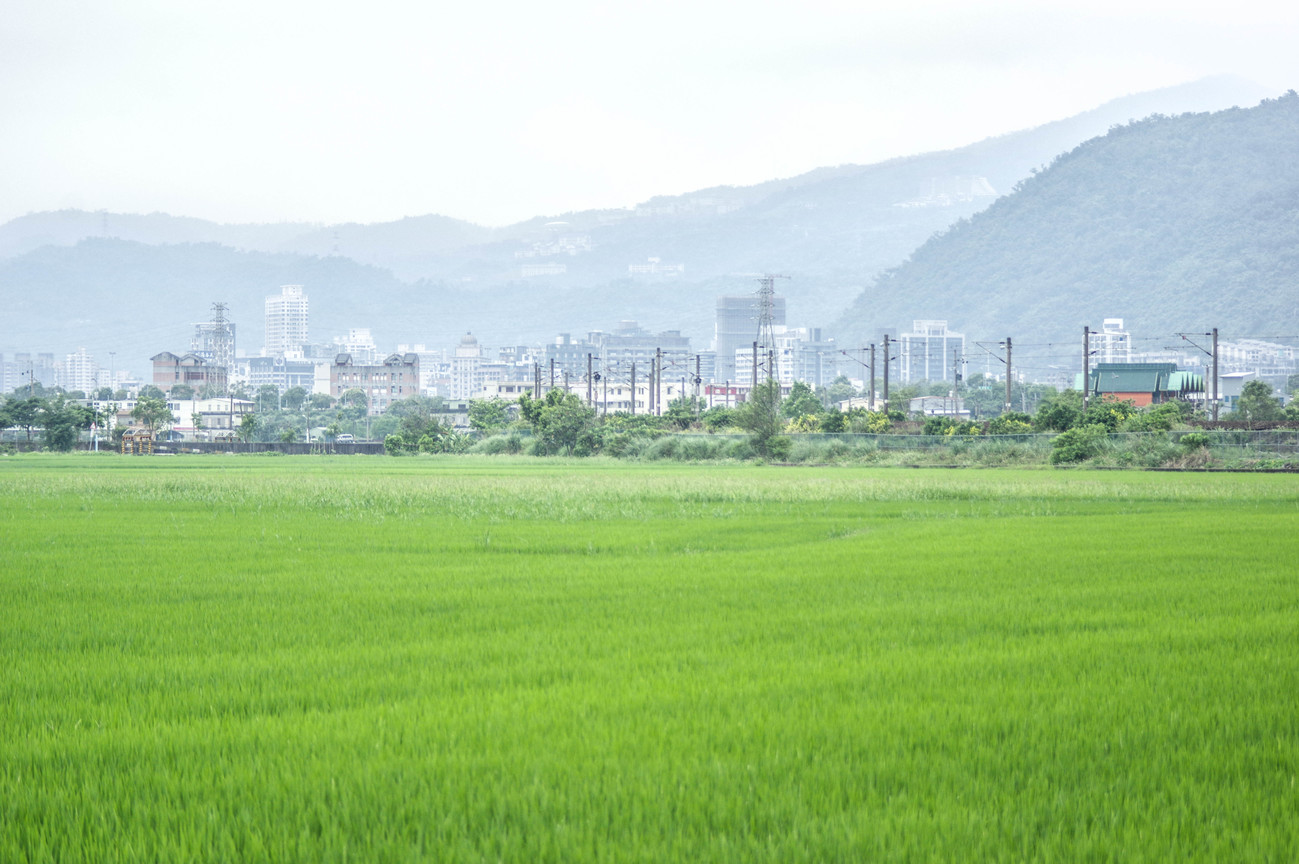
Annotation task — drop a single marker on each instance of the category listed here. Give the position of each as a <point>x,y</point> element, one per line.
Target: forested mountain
<point>428,278</point>
<point>1172,223</point>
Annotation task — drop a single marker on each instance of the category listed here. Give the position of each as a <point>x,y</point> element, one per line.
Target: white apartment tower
<point>930,352</point>
<point>80,372</point>
<point>1112,344</point>
<point>286,321</point>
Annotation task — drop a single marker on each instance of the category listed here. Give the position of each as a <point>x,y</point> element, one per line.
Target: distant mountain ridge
<point>1172,223</point>
<point>832,229</point>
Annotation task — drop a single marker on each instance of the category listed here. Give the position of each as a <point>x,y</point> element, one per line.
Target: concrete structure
<point>171,369</point>
<point>360,344</point>
<point>393,380</point>
<point>1111,344</point>
<point>80,372</point>
<point>938,406</point>
<point>283,373</point>
<point>286,321</point>
<point>929,352</point>
<point>736,327</point>
<point>466,368</point>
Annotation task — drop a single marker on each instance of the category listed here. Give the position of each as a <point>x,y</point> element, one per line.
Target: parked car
<point>346,438</point>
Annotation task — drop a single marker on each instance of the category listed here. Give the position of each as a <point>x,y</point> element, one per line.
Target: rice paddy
<point>315,659</point>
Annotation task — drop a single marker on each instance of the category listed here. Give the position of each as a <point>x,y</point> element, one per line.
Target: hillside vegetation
<point>427,278</point>
<point>1173,223</point>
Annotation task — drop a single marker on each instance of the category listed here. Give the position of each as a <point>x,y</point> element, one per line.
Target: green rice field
<point>244,659</point>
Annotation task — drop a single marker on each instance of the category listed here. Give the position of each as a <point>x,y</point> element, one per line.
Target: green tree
<point>1256,404</point>
<point>682,411</point>
<point>840,390</point>
<point>26,413</point>
<point>64,421</point>
<point>1059,412</point>
<point>152,413</point>
<point>353,404</point>
<point>559,421</point>
<point>151,391</point>
<point>718,418</point>
<point>1078,444</point>
<point>320,401</point>
<point>801,401</point>
<point>488,415</point>
<point>268,399</point>
<point>294,397</point>
<point>1010,423</point>
<point>247,427</point>
<point>289,435</point>
<point>181,391</point>
<point>760,417</point>
<point>332,431</point>
<point>104,393</point>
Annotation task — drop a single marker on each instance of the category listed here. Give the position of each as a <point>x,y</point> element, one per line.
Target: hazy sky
<point>498,111</point>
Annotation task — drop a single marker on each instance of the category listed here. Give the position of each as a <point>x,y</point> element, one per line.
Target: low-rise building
<point>393,380</point>
<point>171,369</point>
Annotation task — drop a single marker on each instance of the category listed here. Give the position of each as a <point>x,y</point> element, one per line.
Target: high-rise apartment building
<point>737,327</point>
<point>929,352</point>
<point>80,372</point>
<point>286,321</point>
<point>1112,344</point>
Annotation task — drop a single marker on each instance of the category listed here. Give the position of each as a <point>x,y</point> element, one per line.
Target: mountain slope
<point>1173,223</point>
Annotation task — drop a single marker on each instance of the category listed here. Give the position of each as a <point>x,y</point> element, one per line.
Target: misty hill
<point>429,278</point>
<point>1173,223</point>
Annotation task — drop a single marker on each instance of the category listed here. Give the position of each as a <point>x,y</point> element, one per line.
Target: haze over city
<point>242,111</point>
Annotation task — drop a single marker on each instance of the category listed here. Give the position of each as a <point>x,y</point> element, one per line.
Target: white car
<point>346,438</point>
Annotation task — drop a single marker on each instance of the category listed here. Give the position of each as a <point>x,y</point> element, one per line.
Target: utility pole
<point>588,379</point>
<point>633,388</point>
<point>872,391</point>
<point>1009,376</point>
<point>754,381</point>
<point>956,384</point>
<point>698,380</point>
<point>1087,351</point>
<point>552,373</point>
<point>536,380</point>
<point>886,372</point>
<point>658,381</point>
<point>771,362</point>
<point>1215,374</point>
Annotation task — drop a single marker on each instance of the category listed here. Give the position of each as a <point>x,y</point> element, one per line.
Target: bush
<point>1194,441</point>
<point>394,445</point>
<point>1078,444</point>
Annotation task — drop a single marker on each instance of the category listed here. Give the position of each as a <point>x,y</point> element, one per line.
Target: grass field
<point>281,659</point>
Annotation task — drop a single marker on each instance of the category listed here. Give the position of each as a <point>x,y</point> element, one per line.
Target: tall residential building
<point>466,368</point>
<point>736,327</point>
<point>286,321</point>
<point>80,372</point>
<point>1112,344</point>
<point>929,352</point>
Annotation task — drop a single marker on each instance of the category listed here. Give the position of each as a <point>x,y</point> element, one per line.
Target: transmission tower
<point>766,342</point>
<point>223,338</point>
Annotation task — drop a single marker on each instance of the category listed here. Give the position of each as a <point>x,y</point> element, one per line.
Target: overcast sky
<point>496,112</point>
